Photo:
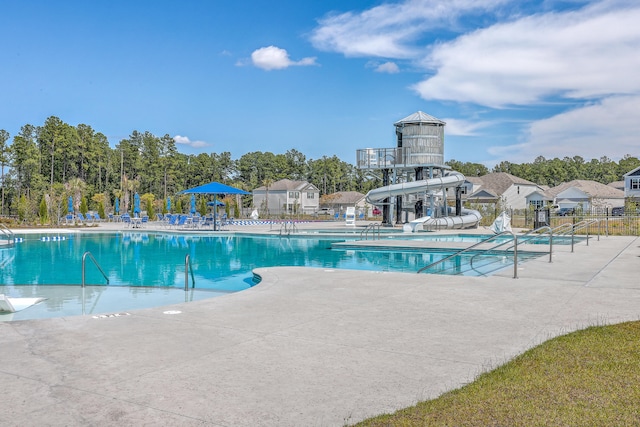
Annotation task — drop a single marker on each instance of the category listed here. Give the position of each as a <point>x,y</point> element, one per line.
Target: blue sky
<point>513,79</point>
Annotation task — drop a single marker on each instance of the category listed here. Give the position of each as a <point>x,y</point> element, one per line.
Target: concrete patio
<point>308,347</point>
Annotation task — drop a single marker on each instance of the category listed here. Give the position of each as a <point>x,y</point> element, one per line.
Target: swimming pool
<point>220,263</point>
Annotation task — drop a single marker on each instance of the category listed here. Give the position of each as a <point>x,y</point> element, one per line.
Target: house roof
<point>545,195</point>
<point>288,185</point>
<point>591,188</point>
<point>419,117</point>
<point>617,184</point>
<point>475,180</point>
<point>483,193</point>
<point>634,172</point>
<point>343,198</point>
<point>500,182</point>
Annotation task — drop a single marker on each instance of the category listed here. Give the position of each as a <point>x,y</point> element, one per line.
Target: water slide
<point>469,218</point>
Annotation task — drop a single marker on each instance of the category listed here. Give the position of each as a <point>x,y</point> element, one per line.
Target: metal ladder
<point>11,238</point>
<point>374,228</point>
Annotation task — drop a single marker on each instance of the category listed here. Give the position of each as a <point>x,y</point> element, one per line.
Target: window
<point>536,203</point>
<point>634,183</point>
<point>294,194</point>
<point>310,195</point>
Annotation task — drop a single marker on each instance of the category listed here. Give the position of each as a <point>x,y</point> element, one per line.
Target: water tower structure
<point>415,178</point>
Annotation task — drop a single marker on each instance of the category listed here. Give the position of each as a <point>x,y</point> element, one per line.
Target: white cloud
<point>387,67</point>
<point>184,140</point>
<point>607,128</point>
<point>389,30</point>
<point>458,127</point>
<point>275,58</point>
<point>585,54</point>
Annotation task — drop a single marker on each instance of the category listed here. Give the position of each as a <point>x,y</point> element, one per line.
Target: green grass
<point>587,378</point>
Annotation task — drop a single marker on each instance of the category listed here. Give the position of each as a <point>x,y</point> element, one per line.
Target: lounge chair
<point>126,219</point>
<point>68,219</point>
<point>81,219</point>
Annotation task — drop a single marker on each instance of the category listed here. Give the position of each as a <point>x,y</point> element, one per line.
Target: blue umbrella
<point>193,204</point>
<point>168,204</point>
<point>216,203</point>
<point>116,206</point>
<point>136,203</point>
<point>70,206</point>
<point>214,188</point>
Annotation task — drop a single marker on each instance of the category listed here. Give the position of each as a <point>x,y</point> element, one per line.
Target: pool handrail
<point>7,232</point>
<point>288,227</point>
<point>519,239</point>
<point>373,227</point>
<point>188,267</point>
<point>515,252</point>
<point>84,256</point>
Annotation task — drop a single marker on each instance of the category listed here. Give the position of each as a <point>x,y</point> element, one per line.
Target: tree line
<point>42,166</point>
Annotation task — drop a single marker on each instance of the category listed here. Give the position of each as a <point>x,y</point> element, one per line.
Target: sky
<point>513,80</point>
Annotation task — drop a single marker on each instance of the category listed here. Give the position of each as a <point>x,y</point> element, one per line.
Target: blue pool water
<point>142,261</point>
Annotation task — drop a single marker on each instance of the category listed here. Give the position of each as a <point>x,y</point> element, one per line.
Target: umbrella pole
<point>215,212</point>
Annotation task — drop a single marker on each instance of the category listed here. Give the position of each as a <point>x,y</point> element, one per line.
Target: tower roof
<point>419,117</point>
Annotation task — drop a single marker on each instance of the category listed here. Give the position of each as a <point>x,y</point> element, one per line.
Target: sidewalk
<point>310,347</point>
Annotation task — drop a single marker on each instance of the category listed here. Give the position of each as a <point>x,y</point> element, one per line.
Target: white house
<point>511,191</point>
<point>632,184</point>
<point>287,197</point>
<point>588,196</point>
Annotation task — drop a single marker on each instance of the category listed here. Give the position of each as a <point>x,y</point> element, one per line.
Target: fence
<point>626,225</point>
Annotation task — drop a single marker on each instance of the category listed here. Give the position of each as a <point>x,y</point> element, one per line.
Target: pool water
<point>151,266</point>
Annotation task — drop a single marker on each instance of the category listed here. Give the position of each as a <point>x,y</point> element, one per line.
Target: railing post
<point>515,257</point>
<point>550,245</point>
<point>186,273</point>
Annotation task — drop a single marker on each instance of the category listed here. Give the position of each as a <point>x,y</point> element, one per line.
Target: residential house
<point>287,197</point>
<point>632,184</point>
<point>587,196</point>
<point>342,199</point>
<point>509,190</point>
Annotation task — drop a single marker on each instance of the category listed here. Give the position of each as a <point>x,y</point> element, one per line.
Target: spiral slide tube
<point>469,217</point>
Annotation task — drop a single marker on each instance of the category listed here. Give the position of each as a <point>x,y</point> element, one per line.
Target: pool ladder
<point>11,238</point>
<point>84,258</point>
<point>374,228</point>
<point>286,228</point>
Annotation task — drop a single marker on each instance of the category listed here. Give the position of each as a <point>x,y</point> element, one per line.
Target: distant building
<point>287,197</point>
<point>587,196</point>
<point>341,200</point>
<point>511,191</point>
<point>632,184</point>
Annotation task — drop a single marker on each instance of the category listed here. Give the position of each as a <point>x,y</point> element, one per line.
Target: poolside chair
<point>96,217</point>
<point>196,221</point>
<point>81,219</point>
<point>181,219</point>
<point>126,219</point>
<point>110,216</point>
<point>159,217</point>
<point>144,221</point>
<point>68,219</point>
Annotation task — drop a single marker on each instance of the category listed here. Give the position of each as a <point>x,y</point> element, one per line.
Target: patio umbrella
<point>136,203</point>
<point>214,188</point>
<point>168,204</point>
<point>193,204</point>
<point>116,206</point>
<point>70,205</point>
<point>216,203</point>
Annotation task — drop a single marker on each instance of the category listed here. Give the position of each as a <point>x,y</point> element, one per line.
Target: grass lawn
<point>587,378</point>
